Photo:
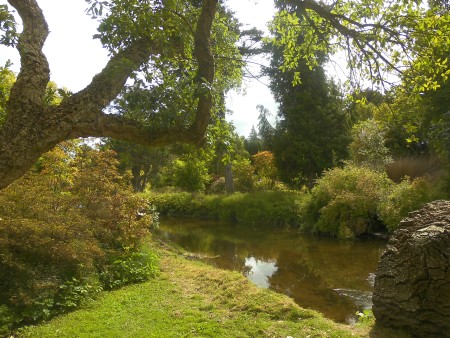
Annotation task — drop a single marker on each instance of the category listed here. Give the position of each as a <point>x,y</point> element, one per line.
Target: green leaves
<point>378,38</point>
<point>7,79</point>
<point>9,34</point>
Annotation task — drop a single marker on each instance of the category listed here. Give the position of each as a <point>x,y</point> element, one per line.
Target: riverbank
<point>192,299</point>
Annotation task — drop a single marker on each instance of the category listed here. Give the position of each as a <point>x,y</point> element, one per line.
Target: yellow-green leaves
<point>380,38</point>
<point>9,34</point>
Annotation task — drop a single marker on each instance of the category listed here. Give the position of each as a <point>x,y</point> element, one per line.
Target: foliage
<point>179,204</point>
<point>253,144</point>
<point>9,34</point>
<point>167,88</point>
<point>188,173</point>
<point>367,147</point>
<point>217,186</point>
<point>344,202</point>
<point>366,318</point>
<point>171,63</point>
<point>403,123</point>
<point>133,267</point>
<point>244,178</point>
<point>59,226</point>
<point>312,132</point>
<point>262,208</point>
<point>265,129</point>
<point>7,79</point>
<point>264,164</point>
<point>406,197</point>
<point>144,162</point>
<point>430,167</point>
<point>440,134</point>
<point>377,39</point>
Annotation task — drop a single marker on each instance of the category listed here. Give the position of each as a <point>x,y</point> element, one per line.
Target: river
<point>327,275</point>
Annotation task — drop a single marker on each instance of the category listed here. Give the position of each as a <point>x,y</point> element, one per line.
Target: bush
<point>260,208</point>
<point>264,208</point>
<point>37,258</point>
<point>405,197</point>
<point>133,267</point>
<point>217,186</point>
<point>344,202</point>
<point>181,204</point>
<point>244,179</point>
<point>59,227</point>
<point>188,173</point>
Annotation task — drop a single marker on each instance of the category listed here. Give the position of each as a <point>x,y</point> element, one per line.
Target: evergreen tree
<point>253,144</point>
<point>312,131</point>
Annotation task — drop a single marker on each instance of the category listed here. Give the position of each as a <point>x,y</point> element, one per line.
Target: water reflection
<point>335,278</point>
<point>259,271</point>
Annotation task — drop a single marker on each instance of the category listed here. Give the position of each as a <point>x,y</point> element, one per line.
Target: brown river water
<point>327,275</point>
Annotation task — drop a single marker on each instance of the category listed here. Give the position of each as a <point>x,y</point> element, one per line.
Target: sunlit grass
<point>191,299</point>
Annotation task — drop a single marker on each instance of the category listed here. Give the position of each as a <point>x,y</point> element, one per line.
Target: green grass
<point>191,299</point>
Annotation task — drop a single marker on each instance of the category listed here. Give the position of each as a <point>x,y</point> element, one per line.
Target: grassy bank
<point>265,208</point>
<point>191,299</point>
<point>345,203</point>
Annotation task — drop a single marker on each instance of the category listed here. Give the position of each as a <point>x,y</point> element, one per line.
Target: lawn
<point>192,299</point>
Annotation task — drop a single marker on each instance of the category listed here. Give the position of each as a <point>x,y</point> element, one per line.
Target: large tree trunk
<point>31,128</point>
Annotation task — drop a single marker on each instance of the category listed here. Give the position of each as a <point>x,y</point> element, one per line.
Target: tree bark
<point>31,128</point>
<point>229,186</point>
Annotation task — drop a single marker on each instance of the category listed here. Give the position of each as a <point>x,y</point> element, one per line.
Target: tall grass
<point>415,167</point>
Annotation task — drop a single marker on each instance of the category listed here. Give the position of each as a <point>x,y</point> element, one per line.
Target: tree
<point>253,143</point>
<point>132,33</point>
<point>378,37</point>
<point>312,131</point>
<point>368,146</point>
<point>265,129</point>
<point>154,36</point>
<point>143,162</point>
<point>264,164</point>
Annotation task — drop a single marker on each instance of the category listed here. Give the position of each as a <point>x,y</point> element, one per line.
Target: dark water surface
<point>331,276</point>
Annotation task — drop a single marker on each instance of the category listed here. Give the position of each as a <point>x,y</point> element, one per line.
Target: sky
<point>75,57</point>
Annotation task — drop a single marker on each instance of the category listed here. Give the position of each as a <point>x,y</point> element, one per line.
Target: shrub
<point>264,208</point>
<point>344,202</point>
<point>59,227</point>
<point>405,197</point>
<point>217,186</point>
<point>244,179</point>
<point>188,173</point>
<point>181,204</point>
<point>260,208</point>
<point>133,267</point>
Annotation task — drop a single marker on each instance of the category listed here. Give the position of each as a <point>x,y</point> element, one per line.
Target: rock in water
<point>412,283</point>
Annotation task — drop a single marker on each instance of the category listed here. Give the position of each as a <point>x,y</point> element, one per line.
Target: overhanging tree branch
<point>30,128</point>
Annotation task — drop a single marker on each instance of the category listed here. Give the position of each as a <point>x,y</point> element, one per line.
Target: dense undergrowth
<point>68,230</point>
<point>264,208</point>
<point>345,203</point>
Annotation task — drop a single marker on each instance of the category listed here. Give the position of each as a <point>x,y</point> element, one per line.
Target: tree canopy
<point>379,37</point>
<point>182,56</point>
<point>168,39</point>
